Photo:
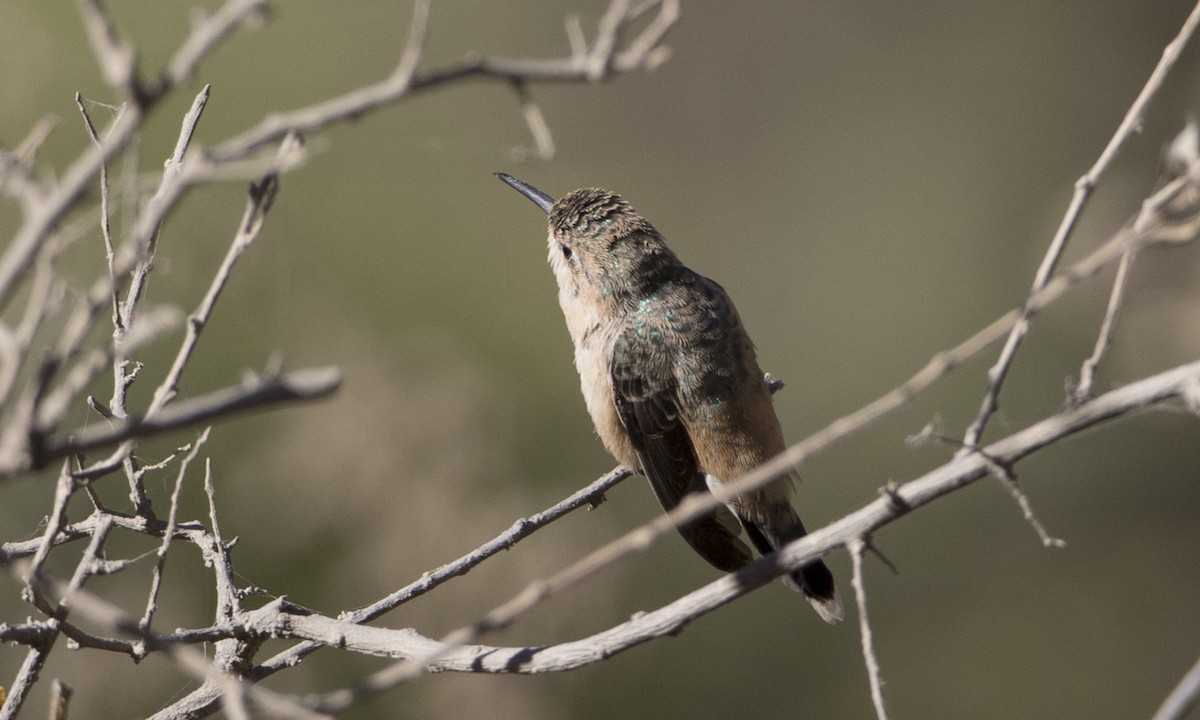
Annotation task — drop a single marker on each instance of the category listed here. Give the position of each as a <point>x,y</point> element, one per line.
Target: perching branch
<point>285,620</point>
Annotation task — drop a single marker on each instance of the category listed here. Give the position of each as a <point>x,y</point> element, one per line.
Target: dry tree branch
<point>315,629</point>
<point>52,205</point>
<point>455,653</point>
<point>1147,229</point>
<point>16,166</point>
<point>1180,159</point>
<point>1083,191</point>
<point>47,205</point>
<point>261,197</point>
<point>60,699</point>
<point>603,60</point>
<point>309,384</point>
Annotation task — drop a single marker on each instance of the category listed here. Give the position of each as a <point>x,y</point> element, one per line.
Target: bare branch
<point>146,236</point>
<point>670,619</point>
<point>301,385</point>
<point>41,218</point>
<point>54,524</point>
<point>16,177</point>
<point>603,60</point>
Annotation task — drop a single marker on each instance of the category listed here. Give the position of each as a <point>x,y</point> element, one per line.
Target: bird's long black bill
<point>538,197</point>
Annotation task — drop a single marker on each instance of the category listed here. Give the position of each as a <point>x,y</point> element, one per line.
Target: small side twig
<point>1087,371</point>
<point>1004,473</point>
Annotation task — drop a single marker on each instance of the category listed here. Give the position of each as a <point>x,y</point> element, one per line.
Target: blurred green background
<point>871,181</point>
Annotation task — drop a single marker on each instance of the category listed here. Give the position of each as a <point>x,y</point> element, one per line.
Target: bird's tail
<point>781,526</point>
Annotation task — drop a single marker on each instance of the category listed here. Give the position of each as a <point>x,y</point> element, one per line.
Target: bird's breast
<point>594,337</point>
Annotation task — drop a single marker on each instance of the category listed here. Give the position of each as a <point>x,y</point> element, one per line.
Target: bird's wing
<point>644,392</point>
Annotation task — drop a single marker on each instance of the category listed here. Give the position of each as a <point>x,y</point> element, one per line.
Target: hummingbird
<point>671,379</point>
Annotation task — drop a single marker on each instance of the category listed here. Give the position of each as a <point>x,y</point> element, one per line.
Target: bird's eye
<point>566,251</point>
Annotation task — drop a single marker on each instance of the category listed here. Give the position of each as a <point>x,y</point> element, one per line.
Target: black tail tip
<point>816,583</point>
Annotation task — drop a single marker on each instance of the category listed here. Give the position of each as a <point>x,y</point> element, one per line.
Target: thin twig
<point>164,548</point>
<point>258,203</point>
<point>26,150</point>
<point>857,547</point>
<point>105,227</point>
<point>16,176</point>
<point>1087,371</point>
<point>40,222</point>
<point>63,491</point>
<point>44,297</point>
<point>146,239</point>
<point>56,404</point>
